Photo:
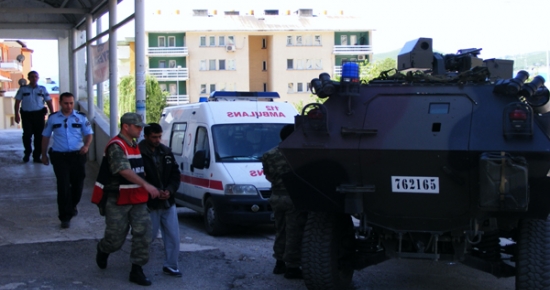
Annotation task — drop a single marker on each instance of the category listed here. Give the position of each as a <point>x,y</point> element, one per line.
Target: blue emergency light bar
<point>242,96</point>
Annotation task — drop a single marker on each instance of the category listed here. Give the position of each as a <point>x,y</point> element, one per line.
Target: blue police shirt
<point>32,99</point>
<point>67,131</point>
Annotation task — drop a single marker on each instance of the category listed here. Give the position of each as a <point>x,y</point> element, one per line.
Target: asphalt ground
<point>35,253</point>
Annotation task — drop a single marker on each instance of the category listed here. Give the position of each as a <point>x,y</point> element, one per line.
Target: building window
<point>353,39</point>
<point>264,65</point>
<point>309,64</point>
<point>300,87</point>
<point>231,64</point>
<point>300,64</point>
<point>264,43</point>
<point>203,89</point>
<point>171,41</point>
<point>172,63</point>
<point>212,88</point>
<point>221,64</point>
<point>202,64</point>
<point>289,40</point>
<point>317,39</point>
<point>212,41</point>
<point>343,40</point>
<point>203,41</point>
<point>231,40</point>
<point>299,40</point>
<point>212,64</point>
<point>265,87</point>
<point>221,40</point>
<point>318,64</point>
<point>289,64</point>
<point>173,89</point>
<point>162,64</point>
<point>271,12</point>
<point>290,88</point>
<point>162,87</point>
<point>162,41</point>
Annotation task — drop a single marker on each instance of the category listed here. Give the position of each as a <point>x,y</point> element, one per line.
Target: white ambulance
<point>218,144</point>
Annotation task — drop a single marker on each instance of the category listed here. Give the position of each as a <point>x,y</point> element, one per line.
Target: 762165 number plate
<point>415,184</point>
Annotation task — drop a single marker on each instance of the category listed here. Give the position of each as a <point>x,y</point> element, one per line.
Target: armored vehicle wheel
<point>214,226</point>
<point>327,250</point>
<point>533,256</point>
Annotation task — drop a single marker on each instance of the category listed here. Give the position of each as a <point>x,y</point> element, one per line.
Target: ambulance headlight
<point>240,189</point>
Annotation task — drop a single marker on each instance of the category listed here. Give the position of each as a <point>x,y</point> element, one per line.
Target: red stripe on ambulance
<point>202,182</point>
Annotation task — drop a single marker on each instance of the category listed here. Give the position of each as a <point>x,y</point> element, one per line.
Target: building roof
<point>158,23</point>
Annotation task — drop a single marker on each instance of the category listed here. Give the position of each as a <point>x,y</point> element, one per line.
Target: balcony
<point>174,100</point>
<point>167,51</point>
<point>11,66</point>
<point>170,74</point>
<point>352,49</point>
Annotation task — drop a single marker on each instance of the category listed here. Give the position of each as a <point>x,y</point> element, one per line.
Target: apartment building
<point>15,63</point>
<point>193,54</point>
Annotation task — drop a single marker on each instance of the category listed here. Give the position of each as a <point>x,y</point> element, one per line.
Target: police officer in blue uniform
<point>31,99</point>
<point>72,136</point>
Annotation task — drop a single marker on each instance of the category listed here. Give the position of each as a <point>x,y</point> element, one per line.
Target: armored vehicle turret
<point>446,159</point>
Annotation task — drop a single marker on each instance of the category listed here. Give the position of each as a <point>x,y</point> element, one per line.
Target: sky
<point>499,27</point>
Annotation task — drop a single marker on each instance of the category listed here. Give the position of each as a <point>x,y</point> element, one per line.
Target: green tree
<point>367,72</point>
<point>155,98</point>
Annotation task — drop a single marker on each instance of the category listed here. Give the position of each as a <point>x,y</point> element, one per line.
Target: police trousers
<point>33,125</point>
<point>70,171</point>
<point>289,225</point>
<point>118,220</point>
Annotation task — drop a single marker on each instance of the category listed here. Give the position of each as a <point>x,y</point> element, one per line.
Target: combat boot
<point>101,258</point>
<point>137,276</point>
<point>280,267</point>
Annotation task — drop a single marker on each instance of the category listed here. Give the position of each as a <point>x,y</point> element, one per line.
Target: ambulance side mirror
<point>199,160</point>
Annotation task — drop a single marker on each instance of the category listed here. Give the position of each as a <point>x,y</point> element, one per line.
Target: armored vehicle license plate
<point>415,184</point>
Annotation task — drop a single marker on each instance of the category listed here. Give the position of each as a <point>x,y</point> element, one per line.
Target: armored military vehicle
<point>446,159</point>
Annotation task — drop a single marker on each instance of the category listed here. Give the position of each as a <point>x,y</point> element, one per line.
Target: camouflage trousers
<point>289,225</point>
<point>118,220</point>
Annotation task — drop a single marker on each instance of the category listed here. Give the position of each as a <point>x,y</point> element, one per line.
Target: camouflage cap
<point>132,118</point>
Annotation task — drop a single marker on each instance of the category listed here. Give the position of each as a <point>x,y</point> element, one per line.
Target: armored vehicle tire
<point>214,226</point>
<point>327,248</point>
<point>533,255</point>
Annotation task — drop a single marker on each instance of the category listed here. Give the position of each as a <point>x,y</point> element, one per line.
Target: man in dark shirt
<point>161,170</point>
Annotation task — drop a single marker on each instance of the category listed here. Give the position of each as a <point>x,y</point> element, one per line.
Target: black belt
<point>65,153</point>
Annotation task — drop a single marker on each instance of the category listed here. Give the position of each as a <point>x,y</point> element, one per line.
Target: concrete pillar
<point>89,67</point>
<point>99,86</point>
<point>64,51</point>
<point>139,24</point>
<point>90,77</point>
<point>113,73</point>
<point>74,64</point>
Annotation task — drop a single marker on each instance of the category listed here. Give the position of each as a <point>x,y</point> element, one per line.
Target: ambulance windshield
<point>244,142</point>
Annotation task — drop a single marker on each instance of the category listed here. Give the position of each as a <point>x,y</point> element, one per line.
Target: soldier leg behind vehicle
<point>279,209</point>
<point>295,223</point>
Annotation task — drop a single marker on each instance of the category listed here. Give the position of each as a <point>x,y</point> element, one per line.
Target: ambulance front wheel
<point>214,226</point>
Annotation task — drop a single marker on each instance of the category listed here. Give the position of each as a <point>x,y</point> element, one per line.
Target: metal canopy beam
<point>30,10</point>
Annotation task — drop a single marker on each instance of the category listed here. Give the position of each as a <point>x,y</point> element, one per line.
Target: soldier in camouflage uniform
<point>289,222</point>
<point>122,193</point>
